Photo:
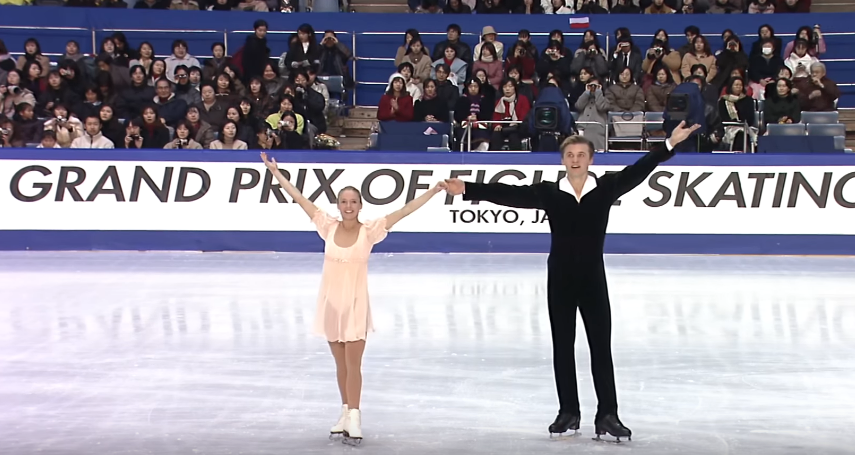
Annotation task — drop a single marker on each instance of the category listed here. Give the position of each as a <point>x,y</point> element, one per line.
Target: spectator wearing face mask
<point>763,68</point>
<point>92,137</point>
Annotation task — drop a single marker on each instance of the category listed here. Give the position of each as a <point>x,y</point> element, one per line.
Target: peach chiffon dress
<point>343,311</point>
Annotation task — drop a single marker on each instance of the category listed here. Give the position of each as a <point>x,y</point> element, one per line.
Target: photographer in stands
<point>183,137</point>
<point>9,136</point>
<point>133,139</point>
<point>334,57</point>
<point>284,137</point>
<point>66,126</point>
<point>308,102</point>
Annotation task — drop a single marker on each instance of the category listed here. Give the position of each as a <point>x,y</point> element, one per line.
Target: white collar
<point>565,186</point>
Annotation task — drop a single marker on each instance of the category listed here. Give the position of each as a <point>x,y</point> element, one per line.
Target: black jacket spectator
<point>620,60</point>
<point>155,135</point>
<point>334,57</point>
<point>310,104</point>
<point>464,52</point>
<point>256,54</point>
<point>456,7</point>
<point>75,79</point>
<point>55,94</point>
<point>152,4</point>
<point>171,110</point>
<point>132,99</point>
<point>762,67</point>
<point>780,108</point>
<point>303,55</point>
<point>215,115</point>
<point>731,58</point>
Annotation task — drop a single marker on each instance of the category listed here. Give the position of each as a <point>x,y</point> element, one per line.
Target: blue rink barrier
<point>692,204</point>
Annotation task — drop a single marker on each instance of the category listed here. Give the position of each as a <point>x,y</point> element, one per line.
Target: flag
<point>579,22</point>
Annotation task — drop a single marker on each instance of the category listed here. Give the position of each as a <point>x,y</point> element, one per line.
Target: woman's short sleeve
<point>376,230</point>
<point>323,223</point>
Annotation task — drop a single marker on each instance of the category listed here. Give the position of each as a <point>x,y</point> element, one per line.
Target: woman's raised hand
<point>441,185</point>
<point>271,163</point>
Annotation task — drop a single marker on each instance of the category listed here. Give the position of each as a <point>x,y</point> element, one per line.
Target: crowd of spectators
<point>609,6</point>
<point>488,84</point>
<point>127,97</point>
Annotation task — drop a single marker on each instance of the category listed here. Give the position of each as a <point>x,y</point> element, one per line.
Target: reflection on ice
<point>176,353</point>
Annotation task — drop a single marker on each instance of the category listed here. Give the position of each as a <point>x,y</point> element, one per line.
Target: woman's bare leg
<point>353,356</point>
<point>338,352</point>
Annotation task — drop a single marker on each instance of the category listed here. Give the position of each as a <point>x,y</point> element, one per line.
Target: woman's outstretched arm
<point>292,191</point>
<point>413,205</point>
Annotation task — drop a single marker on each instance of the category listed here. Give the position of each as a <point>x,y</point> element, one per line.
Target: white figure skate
<point>338,428</point>
<point>353,428</point>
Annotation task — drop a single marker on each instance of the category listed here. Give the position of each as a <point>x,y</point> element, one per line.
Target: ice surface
<point>186,353</point>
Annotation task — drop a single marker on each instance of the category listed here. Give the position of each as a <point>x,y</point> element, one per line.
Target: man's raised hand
<point>455,187</point>
<point>681,133</point>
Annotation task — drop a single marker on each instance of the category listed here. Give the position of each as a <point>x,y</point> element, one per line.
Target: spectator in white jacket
<point>180,56</point>
<point>799,61</point>
<point>92,137</point>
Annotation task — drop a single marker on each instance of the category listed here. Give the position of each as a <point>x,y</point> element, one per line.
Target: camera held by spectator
<point>286,125</point>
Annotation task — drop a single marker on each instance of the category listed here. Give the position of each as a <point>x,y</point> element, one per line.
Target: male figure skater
<point>578,210</point>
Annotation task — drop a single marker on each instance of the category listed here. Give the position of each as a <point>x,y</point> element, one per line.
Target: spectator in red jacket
<point>396,104</point>
<point>510,107</point>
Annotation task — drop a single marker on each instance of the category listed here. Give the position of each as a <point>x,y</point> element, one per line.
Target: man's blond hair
<point>576,139</point>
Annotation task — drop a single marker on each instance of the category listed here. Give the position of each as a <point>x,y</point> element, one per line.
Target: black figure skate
<point>564,422</point>
<point>610,424</point>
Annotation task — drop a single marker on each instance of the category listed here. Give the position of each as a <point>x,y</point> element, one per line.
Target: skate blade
<point>334,436</point>
<point>347,440</point>
<point>564,436</point>
<point>617,440</point>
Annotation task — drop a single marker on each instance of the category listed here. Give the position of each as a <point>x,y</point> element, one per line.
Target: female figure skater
<point>343,314</point>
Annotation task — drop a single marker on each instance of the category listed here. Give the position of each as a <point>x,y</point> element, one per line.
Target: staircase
<point>833,6</point>
<point>352,131</point>
<point>379,6</point>
<point>847,117</point>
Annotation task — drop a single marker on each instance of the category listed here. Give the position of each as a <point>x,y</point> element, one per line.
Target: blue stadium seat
<point>784,129</point>
<point>826,129</point>
<point>820,117</point>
